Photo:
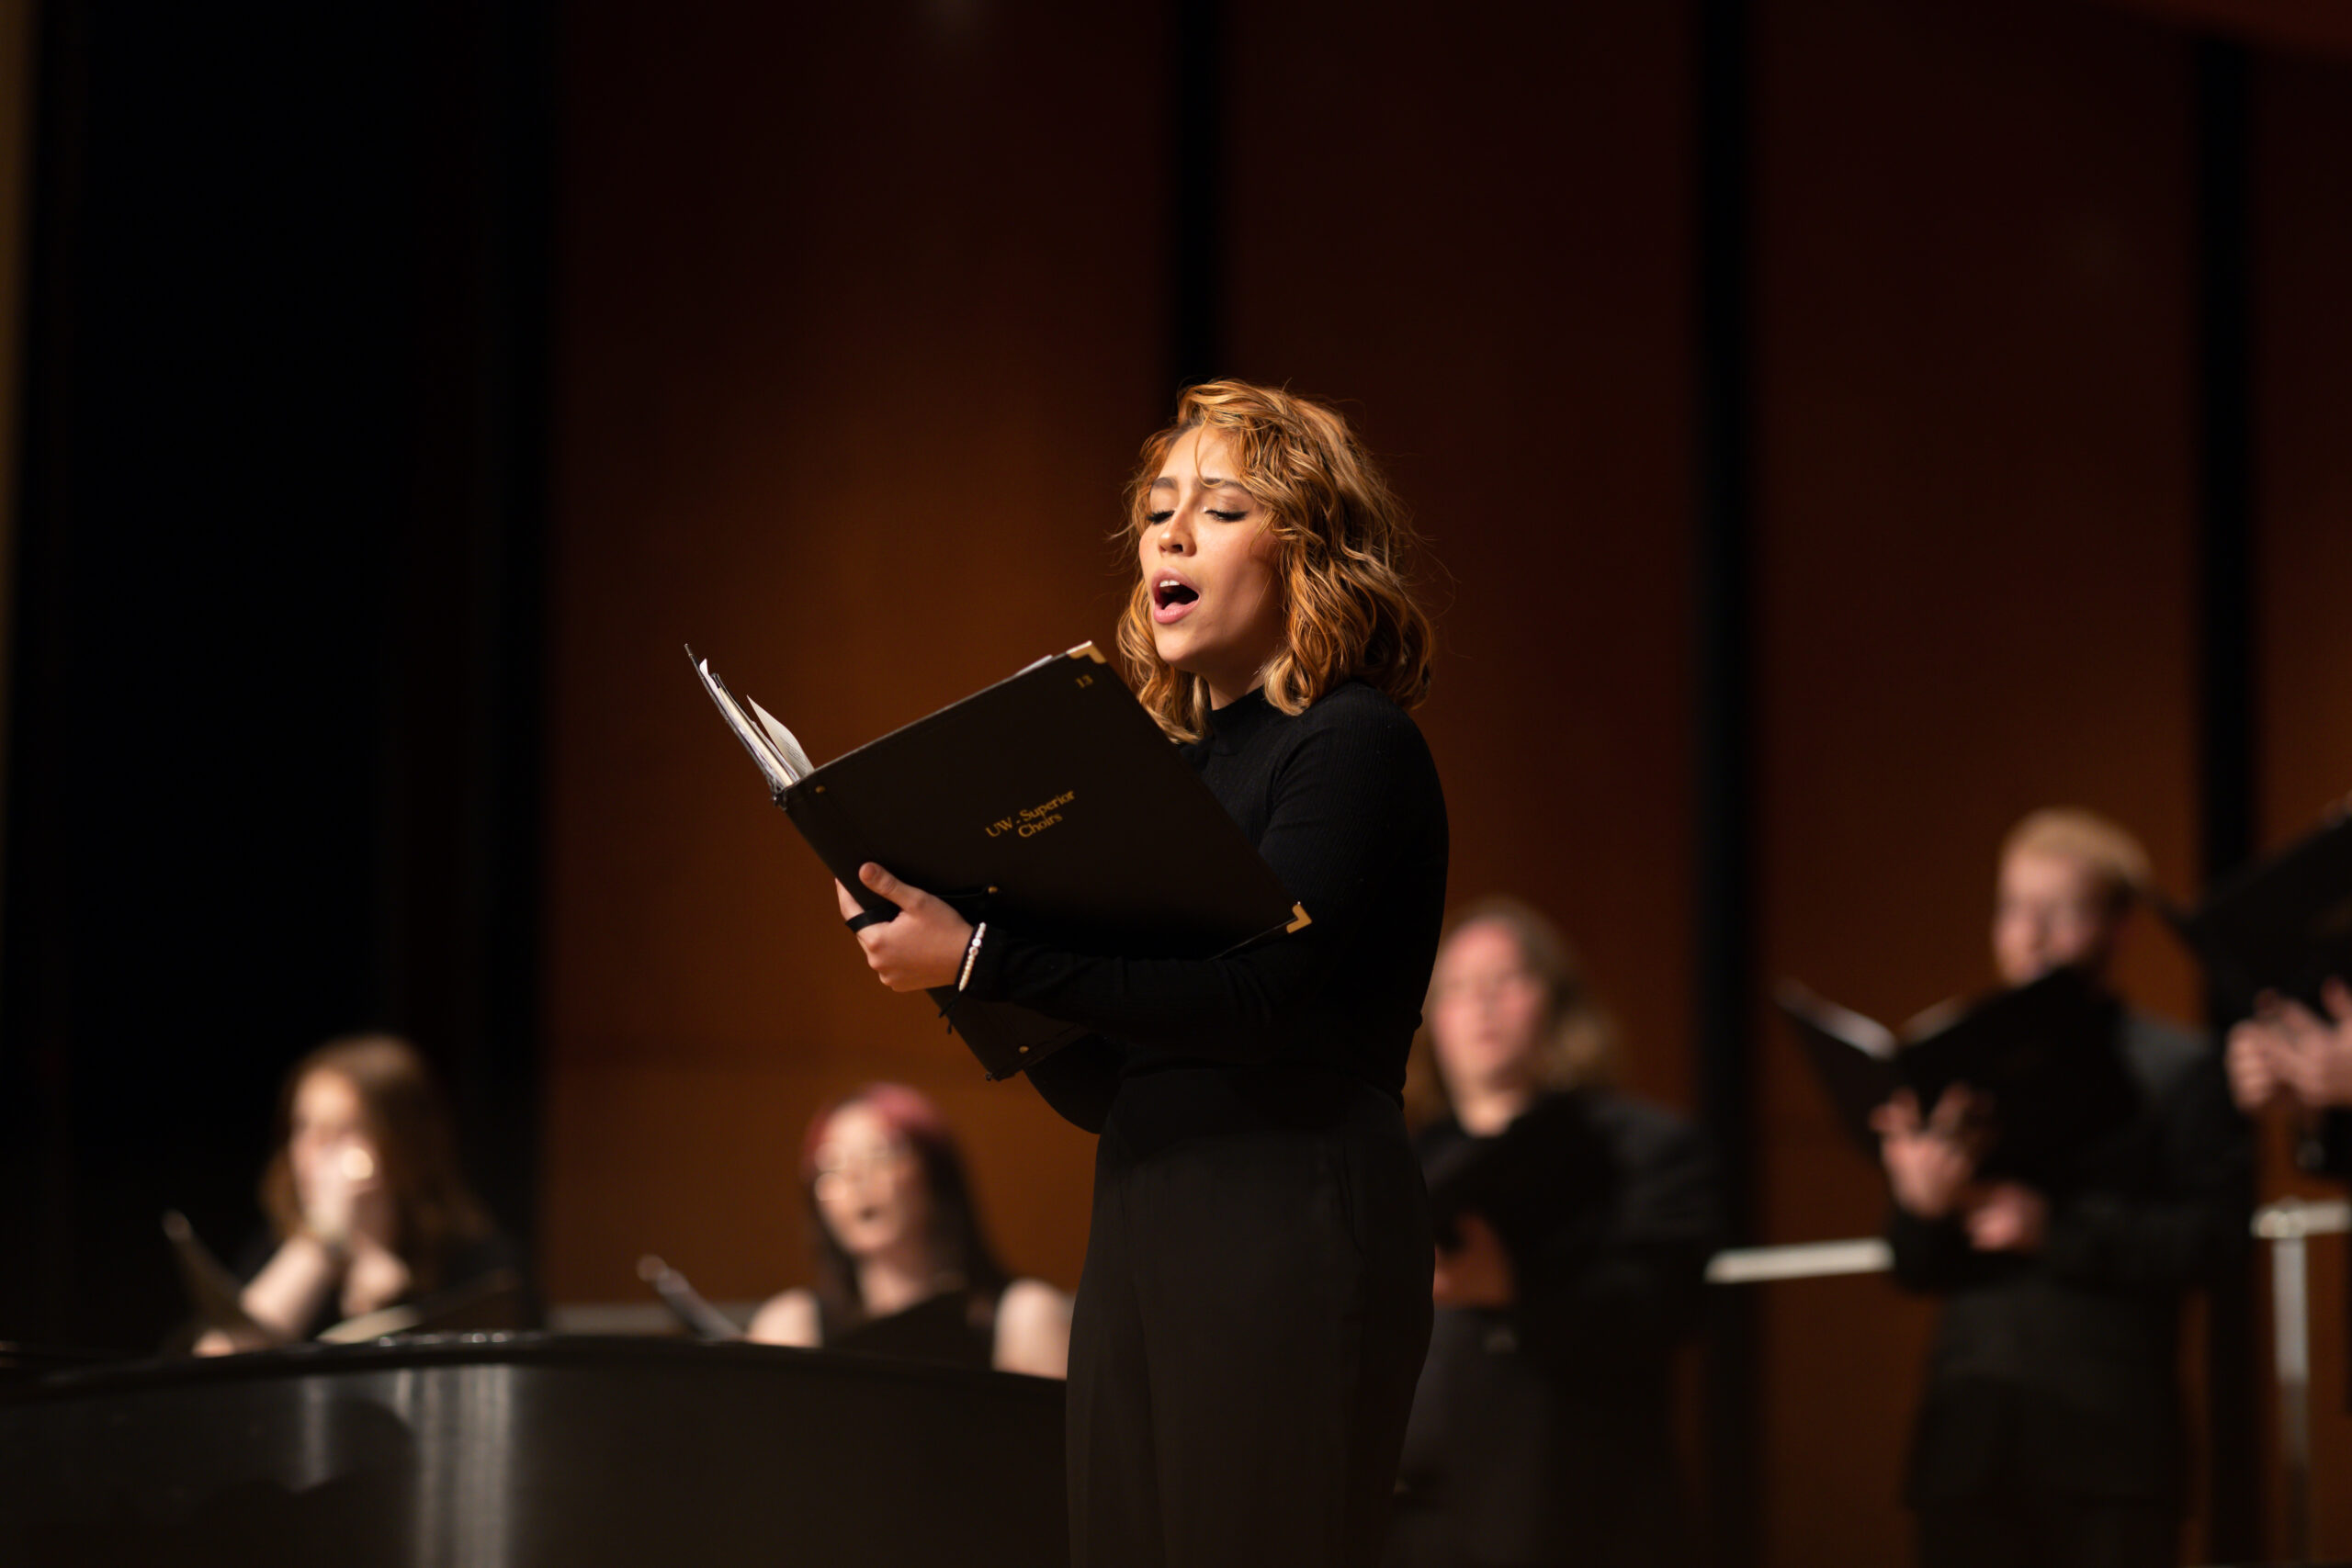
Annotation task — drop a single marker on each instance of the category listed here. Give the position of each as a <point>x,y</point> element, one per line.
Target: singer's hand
<point>1478,1273</point>
<point>2007,1216</point>
<point>2315,1054</point>
<point>2253,1057</point>
<point>1930,1161</point>
<point>923,947</point>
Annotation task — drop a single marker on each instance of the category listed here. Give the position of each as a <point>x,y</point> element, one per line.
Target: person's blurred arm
<point>786,1319</point>
<point>293,1286</point>
<point>1033,1330</point>
<point>350,1212</point>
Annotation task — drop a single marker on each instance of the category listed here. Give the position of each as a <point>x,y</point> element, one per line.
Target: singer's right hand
<point>1928,1163</point>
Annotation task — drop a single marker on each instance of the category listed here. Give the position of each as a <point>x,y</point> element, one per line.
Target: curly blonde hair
<point>1345,546</point>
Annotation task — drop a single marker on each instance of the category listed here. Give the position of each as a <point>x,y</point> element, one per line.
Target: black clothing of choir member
<point>953,1328</point>
<point>2052,1411</point>
<point>1256,1300</point>
<point>1543,1432</point>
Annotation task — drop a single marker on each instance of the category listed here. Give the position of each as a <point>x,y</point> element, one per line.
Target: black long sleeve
<point>1081,1080</point>
<point>1343,801</point>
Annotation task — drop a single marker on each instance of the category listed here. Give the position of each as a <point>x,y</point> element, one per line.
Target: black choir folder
<point>1050,801</point>
<point>2283,924</point>
<point>2044,1053</point>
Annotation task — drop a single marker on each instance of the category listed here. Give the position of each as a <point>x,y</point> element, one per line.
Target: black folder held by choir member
<point>1049,801</point>
<point>2043,1053</point>
<point>2283,924</point>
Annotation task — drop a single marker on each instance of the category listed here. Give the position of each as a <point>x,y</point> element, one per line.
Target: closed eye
<point>1161,516</point>
<point>1227,517</point>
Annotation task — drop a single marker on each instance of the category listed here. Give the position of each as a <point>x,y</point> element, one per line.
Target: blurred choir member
<point>903,1264</point>
<point>366,1203</point>
<point>1542,1431</point>
<point>2051,1431</point>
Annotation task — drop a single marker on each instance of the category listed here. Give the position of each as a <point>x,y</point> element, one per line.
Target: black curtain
<point>272,761</point>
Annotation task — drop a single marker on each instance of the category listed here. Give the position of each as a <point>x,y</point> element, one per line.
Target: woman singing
<point>1256,1301</point>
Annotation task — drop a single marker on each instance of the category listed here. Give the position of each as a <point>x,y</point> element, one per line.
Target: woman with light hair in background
<point>1576,1223</point>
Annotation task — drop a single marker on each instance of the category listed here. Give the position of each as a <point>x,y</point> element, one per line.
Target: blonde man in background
<point>2051,1431</point>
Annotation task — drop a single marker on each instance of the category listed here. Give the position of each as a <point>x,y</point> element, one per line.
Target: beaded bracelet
<point>971,952</point>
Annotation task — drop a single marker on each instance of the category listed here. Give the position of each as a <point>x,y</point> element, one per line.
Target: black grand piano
<point>517,1450</point>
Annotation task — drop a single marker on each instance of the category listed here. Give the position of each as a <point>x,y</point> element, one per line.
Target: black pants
<point>2023,1531</point>
<point>1253,1314</point>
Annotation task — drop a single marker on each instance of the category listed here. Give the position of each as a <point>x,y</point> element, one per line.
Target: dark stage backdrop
<point>271,757</point>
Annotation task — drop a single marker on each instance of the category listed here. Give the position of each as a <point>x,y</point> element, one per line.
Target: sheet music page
<point>785,745</point>
<point>773,764</point>
<point>1864,1034</point>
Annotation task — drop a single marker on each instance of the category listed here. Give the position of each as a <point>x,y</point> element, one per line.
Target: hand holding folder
<point>2041,1057</point>
<point>2282,925</point>
<point>1048,805</point>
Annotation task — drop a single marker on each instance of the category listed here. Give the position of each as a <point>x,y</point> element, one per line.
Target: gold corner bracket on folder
<point>1087,651</point>
<point>1299,920</point>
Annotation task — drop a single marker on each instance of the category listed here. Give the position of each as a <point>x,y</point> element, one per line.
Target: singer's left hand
<point>923,947</point>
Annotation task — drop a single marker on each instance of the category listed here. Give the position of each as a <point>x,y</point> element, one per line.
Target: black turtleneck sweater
<point>1343,802</point>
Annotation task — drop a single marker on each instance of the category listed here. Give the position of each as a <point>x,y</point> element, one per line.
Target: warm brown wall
<point>1493,269</point>
<point>1974,586</point>
<point>859,327</point>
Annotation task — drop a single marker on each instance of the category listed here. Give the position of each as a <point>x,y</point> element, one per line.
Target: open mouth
<point>1172,594</point>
